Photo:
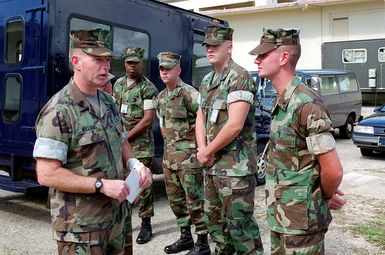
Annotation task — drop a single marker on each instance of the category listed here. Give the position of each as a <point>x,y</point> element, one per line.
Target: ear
<point>229,47</point>
<point>75,61</point>
<point>284,59</point>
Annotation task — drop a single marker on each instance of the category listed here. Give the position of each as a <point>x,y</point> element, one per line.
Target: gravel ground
<point>24,222</point>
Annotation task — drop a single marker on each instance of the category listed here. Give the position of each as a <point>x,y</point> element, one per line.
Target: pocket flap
<point>179,113</point>
<point>89,137</point>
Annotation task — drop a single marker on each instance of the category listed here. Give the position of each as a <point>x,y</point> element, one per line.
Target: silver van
<point>340,92</point>
<point>338,89</point>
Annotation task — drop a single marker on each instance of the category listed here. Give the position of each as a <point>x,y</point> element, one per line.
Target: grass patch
<point>373,231</point>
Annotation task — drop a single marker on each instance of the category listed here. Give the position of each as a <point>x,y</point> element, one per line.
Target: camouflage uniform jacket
<point>234,84</point>
<point>293,194</point>
<point>132,101</point>
<point>177,113</point>
<point>94,148</point>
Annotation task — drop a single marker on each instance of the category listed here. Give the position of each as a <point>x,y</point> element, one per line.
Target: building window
<point>381,54</point>
<point>200,64</point>
<point>14,41</point>
<point>350,56</point>
<point>12,98</point>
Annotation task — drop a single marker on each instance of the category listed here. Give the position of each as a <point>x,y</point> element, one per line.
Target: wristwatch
<point>98,185</point>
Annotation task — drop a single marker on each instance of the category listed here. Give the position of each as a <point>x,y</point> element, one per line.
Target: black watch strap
<point>98,185</point>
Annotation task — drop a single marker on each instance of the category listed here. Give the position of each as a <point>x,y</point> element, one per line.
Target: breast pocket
<point>284,148</point>
<point>219,113</point>
<point>179,119</point>
<point>93,150</point>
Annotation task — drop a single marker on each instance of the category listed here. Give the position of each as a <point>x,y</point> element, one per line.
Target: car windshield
<point>382,108</point>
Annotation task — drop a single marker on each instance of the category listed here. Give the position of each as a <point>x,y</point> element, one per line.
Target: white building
<point>319,21</point>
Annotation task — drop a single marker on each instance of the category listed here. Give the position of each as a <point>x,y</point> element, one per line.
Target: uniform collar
<point>283,99</point>
<point>171,94</point>
<point>81,101</point>
<point>222,76</point>
<point>138,80</point>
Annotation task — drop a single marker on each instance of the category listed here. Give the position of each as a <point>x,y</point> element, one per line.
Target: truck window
<point>200,64</point>
<point>354,56</point>
<point>328,85</point>
<point>123,38</point>
<point>12,98</point>
<point>347,83</point>
<point>14,41</point>
<point>381,54</point>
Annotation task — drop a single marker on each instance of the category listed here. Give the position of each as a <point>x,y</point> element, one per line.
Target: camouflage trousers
<point>185,194</point>
<point>146,205</point>
<point>312,244</point>
<point>229,210</point>
<point>100,242</point>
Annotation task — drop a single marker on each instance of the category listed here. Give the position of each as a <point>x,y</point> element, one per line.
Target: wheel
<point>346,131</point>
<point>366,152</point>
<point>261,169</point>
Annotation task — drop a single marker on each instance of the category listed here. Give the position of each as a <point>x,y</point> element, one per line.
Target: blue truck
<point>34,62</point>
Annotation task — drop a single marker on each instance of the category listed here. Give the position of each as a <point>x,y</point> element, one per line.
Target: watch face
<point>98,184</point>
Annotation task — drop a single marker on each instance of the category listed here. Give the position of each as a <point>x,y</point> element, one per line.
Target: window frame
<point>321,77</point>
<point>112,26</point>
<point>5,49</point>
<point>343,59</point>
<point>19,78</point>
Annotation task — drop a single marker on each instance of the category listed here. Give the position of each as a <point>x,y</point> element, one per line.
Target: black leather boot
<point>145,233</point>
<point>185,242</point>
<point>201,247</point>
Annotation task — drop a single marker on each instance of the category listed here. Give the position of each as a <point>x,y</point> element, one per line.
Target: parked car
<point>369,133</point>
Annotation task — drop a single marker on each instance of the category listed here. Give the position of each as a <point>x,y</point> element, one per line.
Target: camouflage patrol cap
<point>168,59</point>
<point>273,38</point>
<point>133,54</point>
<point>217,35</point>
<point>95,42</point>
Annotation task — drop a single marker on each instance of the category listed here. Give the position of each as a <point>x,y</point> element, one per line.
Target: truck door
<point>22,73</point>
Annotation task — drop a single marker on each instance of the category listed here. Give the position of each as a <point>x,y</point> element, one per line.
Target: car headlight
<point>364,129</point>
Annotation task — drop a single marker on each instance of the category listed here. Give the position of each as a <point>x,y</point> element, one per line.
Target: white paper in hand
<point>132,181</point>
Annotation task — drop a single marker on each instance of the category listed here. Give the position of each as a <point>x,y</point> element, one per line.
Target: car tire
<point>346,131</point>
<point>366,152</point>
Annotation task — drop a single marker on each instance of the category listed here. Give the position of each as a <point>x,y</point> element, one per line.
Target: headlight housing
<point>364,129</point>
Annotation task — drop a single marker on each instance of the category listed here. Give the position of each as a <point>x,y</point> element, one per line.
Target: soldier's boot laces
<point>185,242</point>
<point>201,247</point>
<point>145,233</point>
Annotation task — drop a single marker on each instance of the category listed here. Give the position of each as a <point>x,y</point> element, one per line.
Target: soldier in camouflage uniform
<point>135,95</point>
<point>81,151</point>
<point>304,170</point>
<point>176,109</point>
<point>226,139</point>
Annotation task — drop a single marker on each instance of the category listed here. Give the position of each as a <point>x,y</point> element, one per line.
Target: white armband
<point>134,164</point>
<point>320,143</point>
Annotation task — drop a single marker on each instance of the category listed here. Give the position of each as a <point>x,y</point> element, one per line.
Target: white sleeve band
<point>240,95</point>
<point>320,143</point>
<point>49,148</point>
<point>134,164</point>
<point>148,104</point>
